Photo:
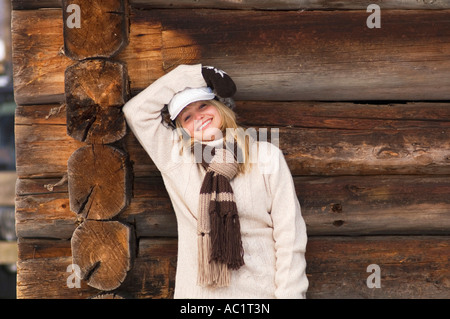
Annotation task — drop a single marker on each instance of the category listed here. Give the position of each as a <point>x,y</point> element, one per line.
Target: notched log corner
<point>104,252</point>
<point>103,28</point>
<point>99,182</point>
<point>95,92</point>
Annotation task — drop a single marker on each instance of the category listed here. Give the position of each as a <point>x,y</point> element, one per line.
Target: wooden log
<point>32,150</point>
<point>99,182</point>
<point>38,58</point>
<point>310,114</point>
<point>49,114</point>
<point>411,267</point>
<point>337,152</point>
<point>95,93</point>
<point>103,250</point>
<point>289,4</point>
<point>49,216</point>
<point>302,57</point>
<point>282,55</point>
<point>42,271</point>
<point>405,151</point>
<point>344,205</point>
<point>152,275</point>
<point>257,4</point>
<point>341,115</point>
<point>107,296</point>
<point>308,151</point>
<point>45,216</point>
<point>102,29</point>
<point>374,205</point>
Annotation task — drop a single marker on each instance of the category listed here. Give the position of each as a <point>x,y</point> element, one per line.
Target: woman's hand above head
<point>219,81</point>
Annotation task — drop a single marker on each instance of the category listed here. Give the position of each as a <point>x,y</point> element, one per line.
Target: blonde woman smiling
<point>240,229</point>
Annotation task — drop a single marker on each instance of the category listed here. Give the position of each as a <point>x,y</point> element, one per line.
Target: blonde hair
<point>234,132</point>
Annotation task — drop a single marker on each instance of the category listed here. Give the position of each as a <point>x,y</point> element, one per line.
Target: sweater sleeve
<point>289,230</point>
<point>143,113</point>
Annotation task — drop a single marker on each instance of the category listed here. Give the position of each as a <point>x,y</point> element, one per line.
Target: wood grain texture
<point>38,57</point>
<point>99,182</point>
<point>280,55</point>
<point>103,30</point>
<point>291,4</point>
<point>411,267</point>
<point>95,92</point>
<point>345,205</point>
<point>314,55</point>
<point>316,138</point>
<point>257,4</point>
<point>103,250</point>
<point>43,263</point>
<point>360,169</point>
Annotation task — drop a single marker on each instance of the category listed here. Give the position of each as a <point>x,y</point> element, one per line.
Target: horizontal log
<point>345,205</point>
<point>308,151</point>
<point>410,267</point>
<point>257,4</point>
<point>309,114</point>
<point>341,115</point>
<point>280,55</point>
<point>49,216</point>
<point>152,274</point>
<point>50,61</point>
<point>290,4</point>
<point>50,149</point>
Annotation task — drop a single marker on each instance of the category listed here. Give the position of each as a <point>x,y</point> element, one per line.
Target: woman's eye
<point>187,118</point>
<point>202,106</point>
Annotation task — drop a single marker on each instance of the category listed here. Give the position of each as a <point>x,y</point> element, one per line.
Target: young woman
<point>240,229</point>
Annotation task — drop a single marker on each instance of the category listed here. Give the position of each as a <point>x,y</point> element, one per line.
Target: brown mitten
<point>221,83</point>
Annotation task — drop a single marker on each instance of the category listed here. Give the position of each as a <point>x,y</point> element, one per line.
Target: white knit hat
<point>186,97</point>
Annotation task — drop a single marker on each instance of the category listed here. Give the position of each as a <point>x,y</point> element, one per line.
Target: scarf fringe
<point>210,273</point>
<point>226,240</point>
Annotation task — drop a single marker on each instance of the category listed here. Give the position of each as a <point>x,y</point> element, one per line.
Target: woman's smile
<point>205,124</point>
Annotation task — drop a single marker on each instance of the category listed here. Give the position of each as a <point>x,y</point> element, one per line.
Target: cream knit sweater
<point>272,228</point>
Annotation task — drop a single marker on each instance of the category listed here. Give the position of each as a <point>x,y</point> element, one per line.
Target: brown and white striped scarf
<point>219,235</point>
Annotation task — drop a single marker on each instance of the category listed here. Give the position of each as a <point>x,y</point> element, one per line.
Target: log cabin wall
<point>363,118</point>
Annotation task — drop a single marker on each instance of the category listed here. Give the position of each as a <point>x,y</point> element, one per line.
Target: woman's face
<point>201,120</point>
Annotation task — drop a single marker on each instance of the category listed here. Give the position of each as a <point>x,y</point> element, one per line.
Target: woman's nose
<point>198,115</point>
